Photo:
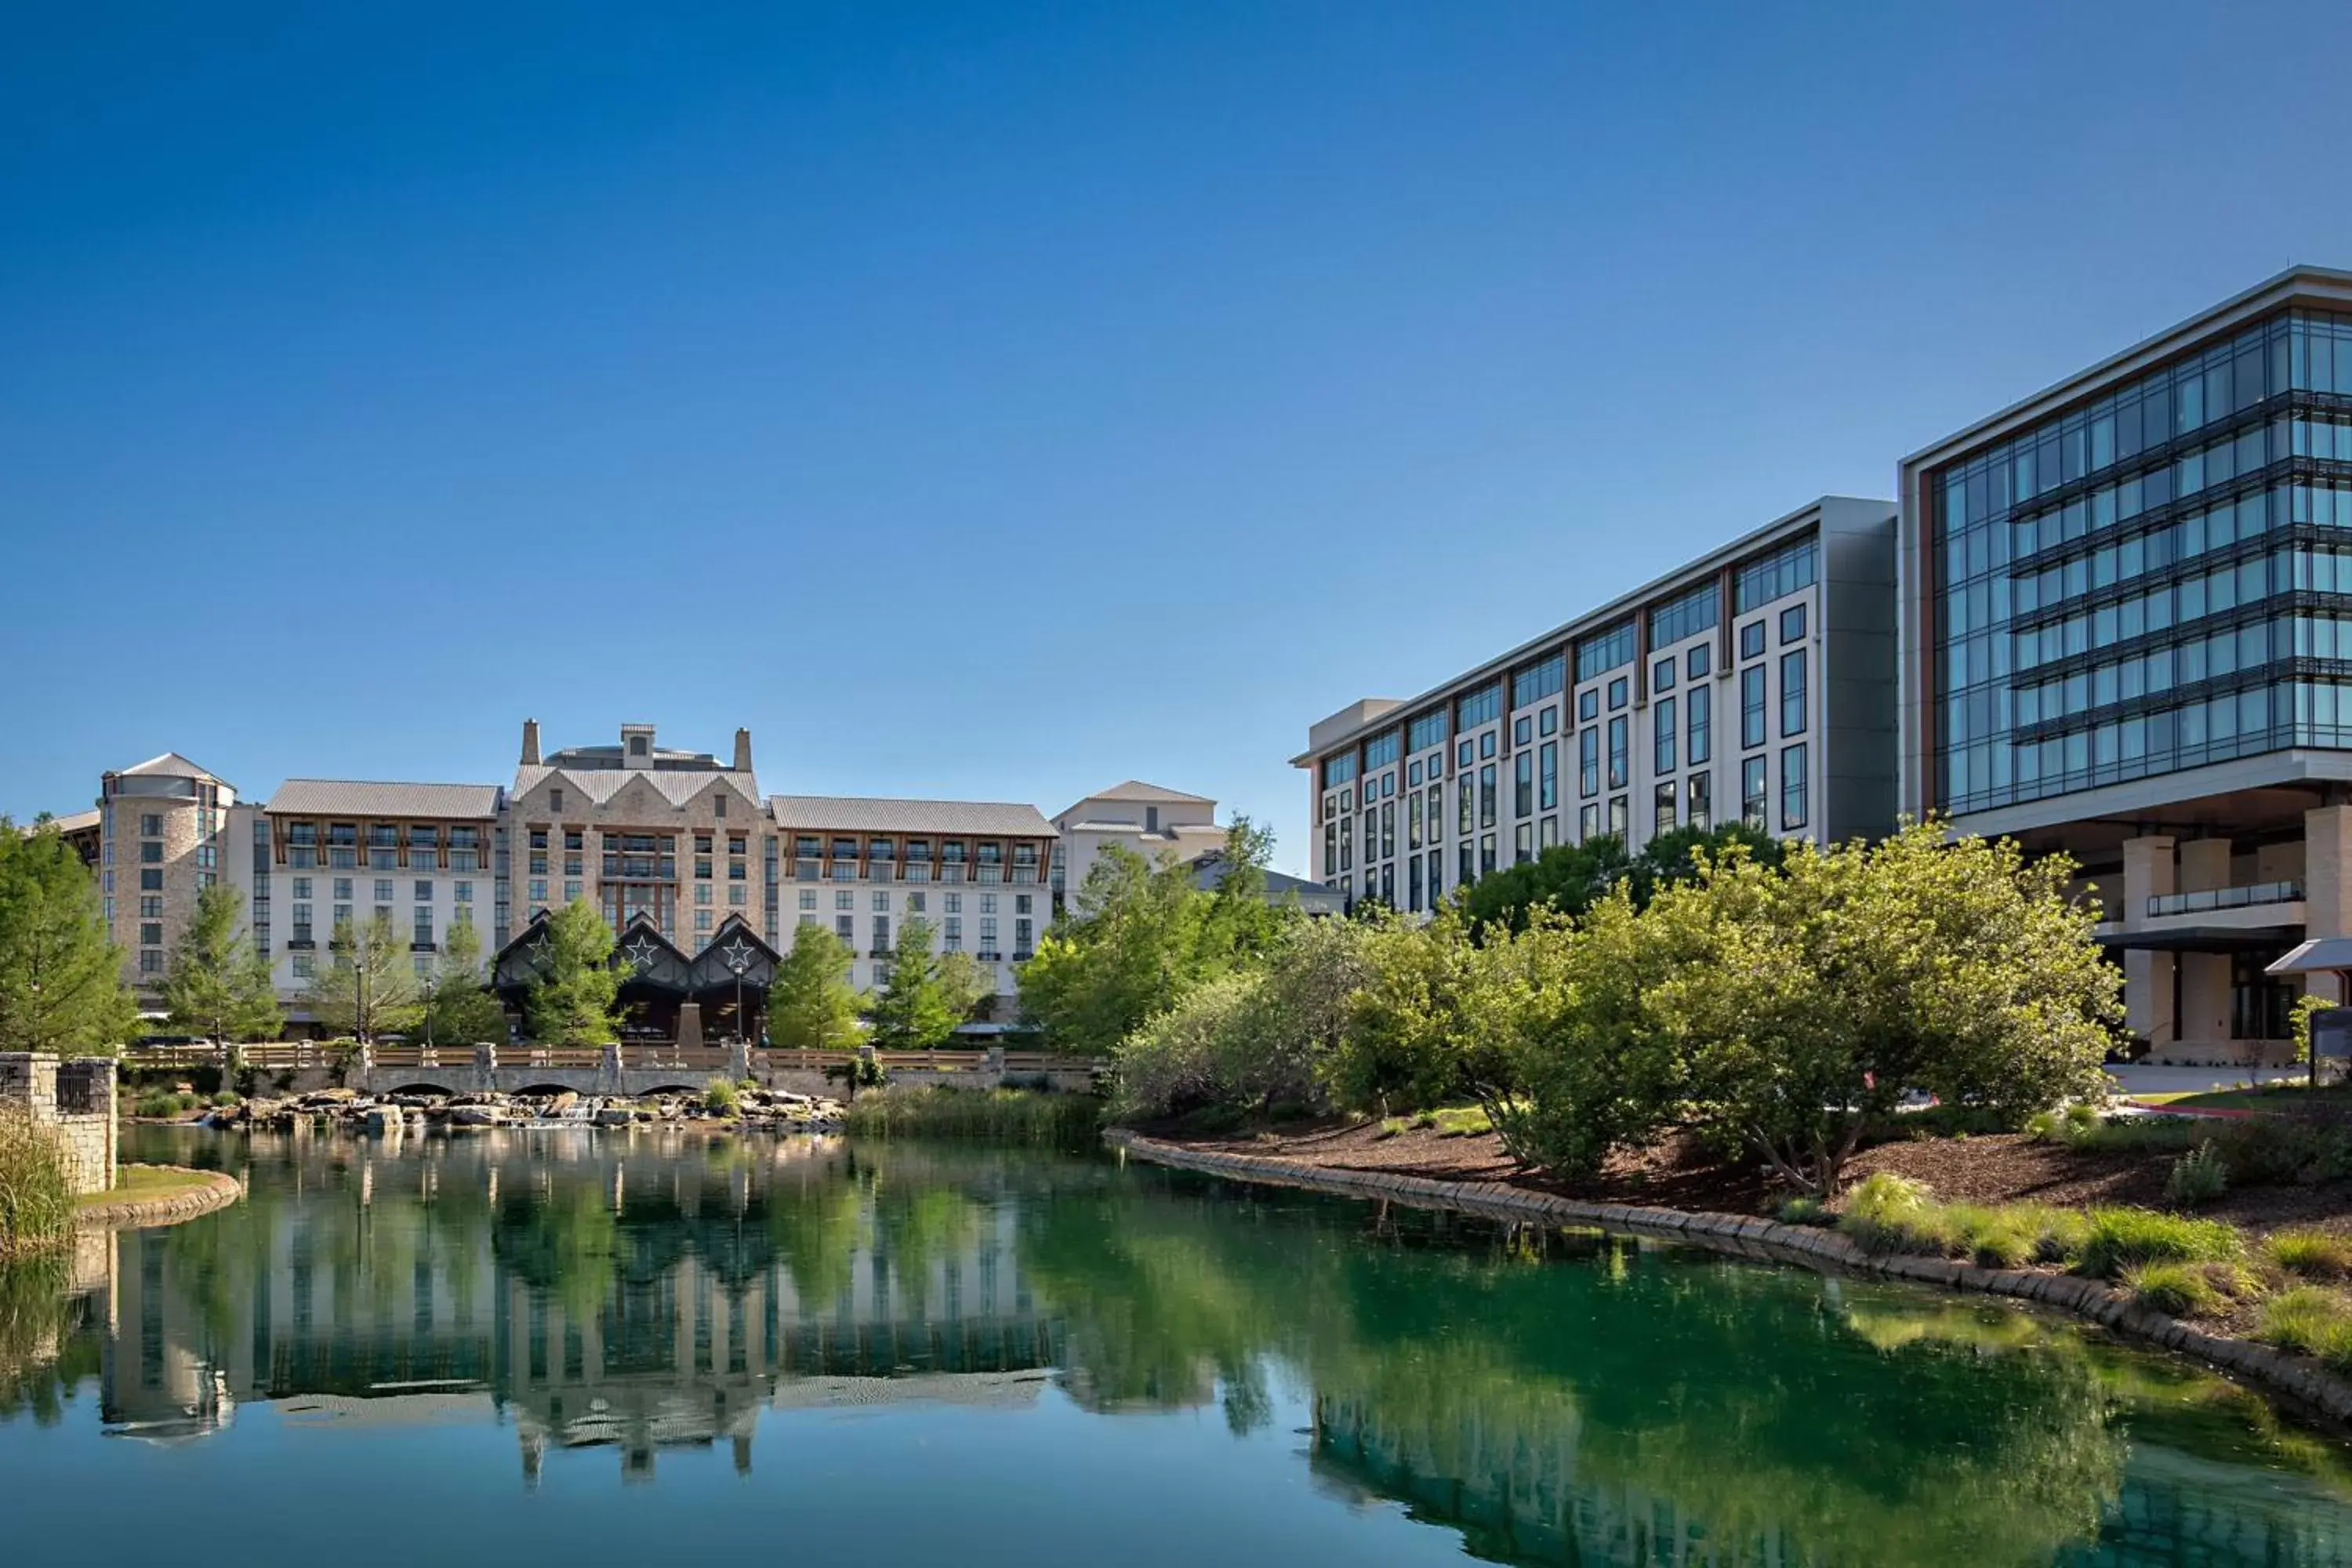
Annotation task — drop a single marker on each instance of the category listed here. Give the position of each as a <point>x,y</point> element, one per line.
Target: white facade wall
<point>1415,823</point>
<point>868,915</point>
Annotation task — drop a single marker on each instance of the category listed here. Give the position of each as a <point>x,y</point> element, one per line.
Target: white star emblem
<point>738,956</point>
<point>641,952</point>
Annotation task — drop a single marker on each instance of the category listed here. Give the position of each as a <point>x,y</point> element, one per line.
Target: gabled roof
<point>873,814</point>
<point>1136,789</point>
<point>372,797</point>
<point>678,786</point>
<point>74,822</point>
<point>171,764</point>
<point>1209,875</point>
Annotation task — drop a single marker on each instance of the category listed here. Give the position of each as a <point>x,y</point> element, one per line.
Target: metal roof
<point>873,814</point>
<point>372,797</point>
<point>600,784</point>
<point>171,764</point>
<point>2320,955</point>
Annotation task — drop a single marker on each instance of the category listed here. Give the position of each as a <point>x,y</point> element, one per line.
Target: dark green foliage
<point>60,974</point>
<point>1570,879</point>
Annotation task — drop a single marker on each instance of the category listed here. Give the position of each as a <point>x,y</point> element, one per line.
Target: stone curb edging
<point>1749,1235</point>
<point>218,1190</point>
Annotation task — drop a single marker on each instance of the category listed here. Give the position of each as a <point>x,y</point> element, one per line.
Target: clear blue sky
<point>1000,401</point>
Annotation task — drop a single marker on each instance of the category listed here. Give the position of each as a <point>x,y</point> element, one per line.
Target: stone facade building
<point>73,1098</point>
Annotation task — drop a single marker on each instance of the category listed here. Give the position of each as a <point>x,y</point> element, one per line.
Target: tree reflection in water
<point>1554,1397</point>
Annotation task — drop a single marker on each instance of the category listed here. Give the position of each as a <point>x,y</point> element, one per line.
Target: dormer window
<point>638,744</point>
<point>555,799</point>
<point>718,804</point>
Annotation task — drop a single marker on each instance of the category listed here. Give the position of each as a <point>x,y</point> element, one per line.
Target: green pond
<point>607,1347</point>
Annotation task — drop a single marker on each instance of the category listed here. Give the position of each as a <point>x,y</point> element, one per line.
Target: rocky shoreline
<point>205,1190</point>
<point>345,1109</point>
<point>2280,1374</point>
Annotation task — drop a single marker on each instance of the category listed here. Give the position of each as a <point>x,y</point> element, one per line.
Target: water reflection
<point>1545,1397</point>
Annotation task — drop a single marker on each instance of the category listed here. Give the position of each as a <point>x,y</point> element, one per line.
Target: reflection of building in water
<point>637,1303</point>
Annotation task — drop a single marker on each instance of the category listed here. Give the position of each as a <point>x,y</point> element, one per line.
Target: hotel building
<point>2127,635</point>
<point>671,845</point>
<point>1756,683</point>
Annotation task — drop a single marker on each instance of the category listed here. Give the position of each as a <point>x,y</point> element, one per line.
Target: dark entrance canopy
<point>728,979</point>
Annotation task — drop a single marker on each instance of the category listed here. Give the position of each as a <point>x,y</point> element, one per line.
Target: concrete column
<point>2204,976</point>
<point>2327,883</point>
<point>2148,873</point>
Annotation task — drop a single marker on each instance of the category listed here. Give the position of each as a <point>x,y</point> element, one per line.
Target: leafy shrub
<point>1885,1212</point>
<point>1802,1211</point>
<point>36,1200</point>
<point>2119,1238</point>
<point>228,1099</point>
<point>721,1096</point>
<point>2309,1319</point>
<point>2198,1177</point>
<point>2186,1290</point>
<point>2310,1145</point>
<point>2313,1254</point>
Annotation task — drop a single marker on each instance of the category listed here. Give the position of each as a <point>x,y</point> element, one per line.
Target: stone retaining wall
<point>214,1190</point>
<point>75,1100</point>
<point>1748,1236</point>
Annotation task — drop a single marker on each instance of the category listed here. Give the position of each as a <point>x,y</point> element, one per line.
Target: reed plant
<point>993,1115</point>
<point>37,1197</point>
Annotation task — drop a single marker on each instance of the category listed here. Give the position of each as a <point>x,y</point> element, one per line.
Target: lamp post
<point>738,960</point>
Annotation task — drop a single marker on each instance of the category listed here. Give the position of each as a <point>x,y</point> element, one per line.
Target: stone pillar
<point>689,1025</point>
<point>2205,976</point>
<point>608,1070</point>
<point>738,1057</point>
<point>2148,976</point>
<point>485,1067</point>
<point>2327,884</point>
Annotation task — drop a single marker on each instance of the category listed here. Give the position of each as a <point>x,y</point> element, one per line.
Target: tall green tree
<point>367,987</point>
<point>1570,879</point>
<point>218,984</point>
<point>919,1006</point>
<point>61,986</point>
<point>1139,937</point>
<point>461,1008</point>
<point>574,997</point>
<point>811,1005</point>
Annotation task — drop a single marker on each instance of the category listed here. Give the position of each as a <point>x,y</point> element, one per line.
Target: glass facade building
<point>2150,578</point>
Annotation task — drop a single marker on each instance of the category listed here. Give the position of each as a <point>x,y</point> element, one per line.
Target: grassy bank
<point>993,1115</point>
<point>2292,1289</point>
<point>36,1203</point>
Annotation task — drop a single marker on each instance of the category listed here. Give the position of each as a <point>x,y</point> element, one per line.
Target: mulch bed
<point>1990,1168</point>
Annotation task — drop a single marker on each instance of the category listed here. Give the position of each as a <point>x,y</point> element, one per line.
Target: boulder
<point>475,1116</point>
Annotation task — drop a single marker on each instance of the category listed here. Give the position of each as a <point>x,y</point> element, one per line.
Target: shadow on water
<point>1555,1397</point>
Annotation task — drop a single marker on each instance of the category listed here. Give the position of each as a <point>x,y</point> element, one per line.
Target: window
<point>1701,814</point>
<point>1480,707</point>
<point>151,932</point>
<point>843,899</point>
<point>988,903</point>
<point>1548,775</point>
<point>1465,753</point>
<point>151,909</point>
<point>1661,677</point>
<point>1663,804</point>
<point>151,880</point>
<point>424,923</point>
<point>1617,693</point>
<point>954,902</point>
<point>1485,854</point>
<point>1792,787</point>
<point>1486,744</point>
<point>1466,862</point>
<point>1466,801</point>
<point>1662,736</point>
<point>539,863</point>
<point>1695,663</point>
<point>424,891</point>
<point>1751,640</point>
<point>1751,792</point>
<point>1523,785</point>
<point>988,934</point>
<point>1388,830</point>
<point>1588,762</point>
<point>1751,706</point>
<point>1587,822</point>
<point>305,967</point>
<point>571,892</point>
<point>845,928</point>
<point>1522,730</point>
<point>1792,693</point>
<point>808,897</point>
<point>951,934</point>
<point>914,903</point>
<point>1688,614</point>
<point>342,889</point>
<point>464,892</point>
<point>1792,623</point>
<point>1619,816</point>
<point>555,799</point>
<point>1379,753</point>
<point>1588,704</point>
<point>151,825</point>
<point>1487,796</point>
<point>1620,746</point>
<point>881,897</point>
<point>1412,884</point>
<point>1604,651</point>
<point>1412,820</point>
<point>150,853</point>
<point>881,934</point>
<point>1522,843</point>
<point>1548,832</point>
<point>1425,731</point>
<point>1531,683</point>
<point>383,889</point>
<point>701,894</point>
<point>538,890</point>
<point>1700,703</point>
<point>1792,566</point>
<point>1548,721</point>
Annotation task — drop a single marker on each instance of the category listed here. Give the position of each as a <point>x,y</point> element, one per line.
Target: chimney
<point>529,743</point>
<point>742,750</point>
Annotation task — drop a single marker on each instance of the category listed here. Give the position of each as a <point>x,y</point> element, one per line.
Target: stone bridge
<point>630,1072</point>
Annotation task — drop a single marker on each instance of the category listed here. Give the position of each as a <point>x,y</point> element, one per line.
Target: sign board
<point>2331,1032</point>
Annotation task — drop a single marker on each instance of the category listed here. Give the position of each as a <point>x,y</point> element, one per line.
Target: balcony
<point>881,952</point>
<point>808,870</point>
<point>424,945</point>
<point>2214,899</point>
<point>916,871</point>
<point>1024,954</point>
<point>989,955</point>
<point>841,872</point>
